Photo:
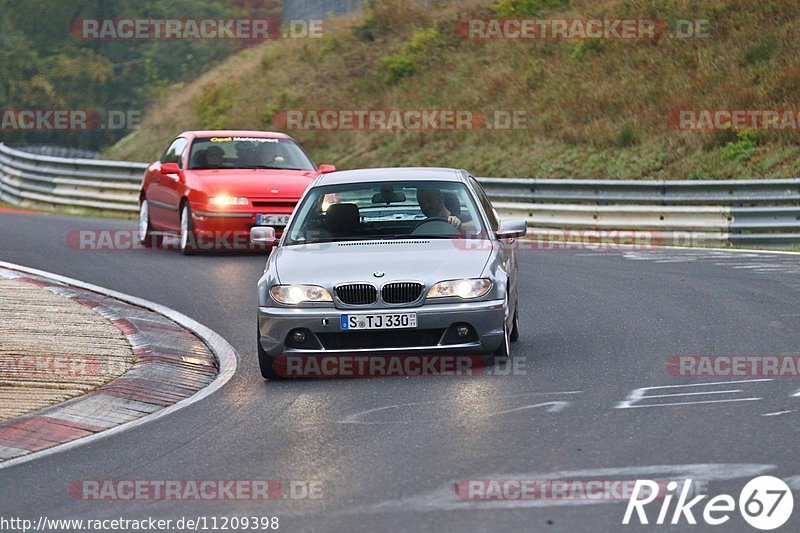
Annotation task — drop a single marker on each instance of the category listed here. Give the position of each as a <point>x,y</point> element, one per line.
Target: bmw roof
<point>365,175</point>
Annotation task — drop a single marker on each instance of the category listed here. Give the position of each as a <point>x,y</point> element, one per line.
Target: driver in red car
<point>431,201</point>
<point>214,156</point>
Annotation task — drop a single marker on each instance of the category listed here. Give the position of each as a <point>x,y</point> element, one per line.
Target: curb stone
<point>171,364</point>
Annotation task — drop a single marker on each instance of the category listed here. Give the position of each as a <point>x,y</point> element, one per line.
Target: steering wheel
<point>443,223</point>
<point>433,219</point>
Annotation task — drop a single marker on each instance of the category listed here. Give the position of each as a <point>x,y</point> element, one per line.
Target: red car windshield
<point>247,152</point>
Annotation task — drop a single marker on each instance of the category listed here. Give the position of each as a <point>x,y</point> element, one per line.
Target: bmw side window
<point>175,151</point>
<point>486,203</point>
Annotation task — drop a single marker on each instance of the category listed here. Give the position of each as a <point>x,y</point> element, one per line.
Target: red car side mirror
<point>170,168</point>
<point>326,168</point>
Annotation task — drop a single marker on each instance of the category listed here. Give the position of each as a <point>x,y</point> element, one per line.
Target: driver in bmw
<point>431,201</point>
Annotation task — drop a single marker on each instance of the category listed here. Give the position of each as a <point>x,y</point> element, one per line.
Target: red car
<point>211,187</point>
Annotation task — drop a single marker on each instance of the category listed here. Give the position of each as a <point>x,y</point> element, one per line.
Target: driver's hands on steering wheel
<point>454,221</point>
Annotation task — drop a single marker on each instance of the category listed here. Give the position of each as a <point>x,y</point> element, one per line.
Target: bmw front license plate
<point>272,220</point>
<point>383,321</point>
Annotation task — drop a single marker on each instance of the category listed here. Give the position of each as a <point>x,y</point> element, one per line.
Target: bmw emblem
<point>378,274</point>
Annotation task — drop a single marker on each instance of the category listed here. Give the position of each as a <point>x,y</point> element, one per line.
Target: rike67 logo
<point>765,503</point>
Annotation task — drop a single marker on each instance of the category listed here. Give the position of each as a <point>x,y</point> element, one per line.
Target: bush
<point>382,18</point>
<point>626,137</point>
<point>761,52</point>
<point>741,149</point>
<point>420,40</point>
<point>268,113</point>
<point>366,30</point>
<point>213,104</point>
<point>584,47</point>
<point>526,8</point>
<point>399,66</point>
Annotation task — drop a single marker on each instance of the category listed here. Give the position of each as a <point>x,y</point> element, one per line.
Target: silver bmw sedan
<point>389,261</point>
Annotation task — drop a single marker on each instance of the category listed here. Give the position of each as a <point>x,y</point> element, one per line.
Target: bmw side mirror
<point>509,229</point>
<point>326,168</point>
<point>264,236</point>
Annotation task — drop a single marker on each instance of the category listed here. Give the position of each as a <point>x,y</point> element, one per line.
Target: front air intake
<point>357,294</point>
<point>401,292</point>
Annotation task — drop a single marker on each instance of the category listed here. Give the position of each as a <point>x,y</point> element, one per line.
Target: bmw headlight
<point>228,200</point>
<point>295,294</point>
<point>462,288</point>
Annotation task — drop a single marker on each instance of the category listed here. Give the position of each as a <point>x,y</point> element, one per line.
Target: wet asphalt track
<point>595,326</point>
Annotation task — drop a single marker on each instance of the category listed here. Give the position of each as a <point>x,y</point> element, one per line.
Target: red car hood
<point>253,183</point>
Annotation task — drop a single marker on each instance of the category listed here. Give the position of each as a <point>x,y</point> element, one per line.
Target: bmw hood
<point>425,260</point>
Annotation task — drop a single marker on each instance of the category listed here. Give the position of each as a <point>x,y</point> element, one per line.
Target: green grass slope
<point>596,109</point>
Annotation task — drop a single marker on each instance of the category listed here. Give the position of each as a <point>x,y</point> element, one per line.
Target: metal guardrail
<point>59,151</point>
<point>32,180</point>
<point>652,192</point>
<point>763,213</point>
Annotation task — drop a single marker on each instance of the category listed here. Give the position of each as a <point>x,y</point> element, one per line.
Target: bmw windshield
<point>386,210</point>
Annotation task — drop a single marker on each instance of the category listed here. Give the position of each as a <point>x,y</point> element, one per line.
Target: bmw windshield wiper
<point>416,236</point>
<point>369,238</point>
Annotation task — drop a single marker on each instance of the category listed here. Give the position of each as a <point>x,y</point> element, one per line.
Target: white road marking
<point>552,407</point>
<point>779,413</point>
<point>695,393</point>
<point>555,407</point>
<point>674,404</point>
<point>446,499</point>
<point>637,395</point>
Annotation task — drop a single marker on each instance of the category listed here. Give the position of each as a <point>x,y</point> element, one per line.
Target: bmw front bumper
<point>436,331</point>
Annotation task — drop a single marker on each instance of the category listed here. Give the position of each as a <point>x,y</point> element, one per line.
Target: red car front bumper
<point>230,229</point>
